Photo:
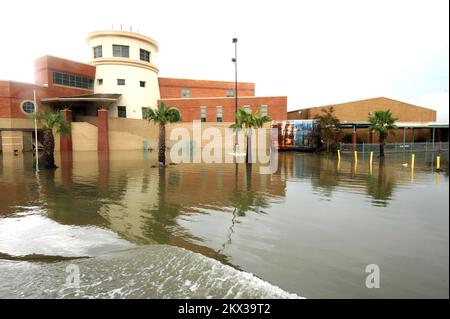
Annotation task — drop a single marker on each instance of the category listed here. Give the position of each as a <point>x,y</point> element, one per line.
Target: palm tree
<point>50,120</point>
<point>383,124</point>
<point>162,115</point>
<point>247,120</point>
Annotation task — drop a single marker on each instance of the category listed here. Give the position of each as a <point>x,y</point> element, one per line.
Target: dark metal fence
<point>395,147</point>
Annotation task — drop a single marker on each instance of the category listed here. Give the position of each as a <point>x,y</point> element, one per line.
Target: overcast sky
<point>315,52</point>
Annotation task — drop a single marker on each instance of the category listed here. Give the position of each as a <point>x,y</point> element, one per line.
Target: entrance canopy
<point>82,105</point>
<point>99,98</point>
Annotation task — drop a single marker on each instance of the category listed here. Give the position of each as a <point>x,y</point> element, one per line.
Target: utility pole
<point>235,40</point>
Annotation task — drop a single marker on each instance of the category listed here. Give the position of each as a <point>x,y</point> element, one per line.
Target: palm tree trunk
<point>249,155</point>
<point>49,149</point>
<point>162,145</point>
<point>381,146</point>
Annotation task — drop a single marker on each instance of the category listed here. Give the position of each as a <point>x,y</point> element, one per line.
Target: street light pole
<point>35,131</point>
<point>236,146</point>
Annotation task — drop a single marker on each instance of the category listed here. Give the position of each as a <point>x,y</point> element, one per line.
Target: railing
<point>395,147</point>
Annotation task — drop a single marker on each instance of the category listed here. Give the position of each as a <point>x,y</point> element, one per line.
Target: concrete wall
<point>129,134</point>
<point>84,137</point>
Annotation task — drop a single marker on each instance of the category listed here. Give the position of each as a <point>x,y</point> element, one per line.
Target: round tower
<point>124,64</point>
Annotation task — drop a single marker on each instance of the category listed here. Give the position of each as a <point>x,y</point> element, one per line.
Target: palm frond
<point>162,114</point>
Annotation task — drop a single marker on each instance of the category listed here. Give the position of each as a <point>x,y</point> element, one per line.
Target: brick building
<point>415,123</point>
<point>120,81</point>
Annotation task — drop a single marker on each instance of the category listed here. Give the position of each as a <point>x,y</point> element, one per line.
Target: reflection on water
<point>311,228</point>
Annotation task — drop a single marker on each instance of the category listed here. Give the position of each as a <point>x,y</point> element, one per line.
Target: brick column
<point>103,172</point>
<point>371,137</point>
<point>103,141</point>
<point>65,143</point>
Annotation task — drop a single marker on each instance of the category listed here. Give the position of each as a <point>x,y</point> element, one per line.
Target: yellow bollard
<point>371,158</point>
<point>413,156</point>
<point>438,163</point>
<point>356,156</point>
<point>339,155</point>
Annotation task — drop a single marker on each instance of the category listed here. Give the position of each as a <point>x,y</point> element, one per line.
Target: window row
<point>186,93</point>
<point>121,51</point>
<point>122,82</point>
<point>73,80</point>
<point>263,109</point>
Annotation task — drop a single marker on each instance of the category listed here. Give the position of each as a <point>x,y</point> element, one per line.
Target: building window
<point>142,84</point>
<point>185,92</point>
<point>100,81</point>
<point>203,113</point>
<point>219,114</point>
<point>27,107</point>
<point>144,55</point>
<point>120,81</point>
<point>121,51</point>
<point>121,111</point>
<point>230,93</point>
<point>263,110</point>
<point>73,80</point>
<point>98,52</point>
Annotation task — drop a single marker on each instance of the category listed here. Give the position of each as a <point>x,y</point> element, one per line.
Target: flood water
<point>223,230</point>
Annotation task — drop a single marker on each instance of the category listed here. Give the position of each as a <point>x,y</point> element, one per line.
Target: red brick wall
<point>45,65</point>
<point>171,88</point>
<point>5,101</point>
<point>190,108</point>
<point>12,94</point>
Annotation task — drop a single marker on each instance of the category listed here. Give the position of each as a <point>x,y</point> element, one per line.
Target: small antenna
<point>120,27</point>
<point>131,28</point>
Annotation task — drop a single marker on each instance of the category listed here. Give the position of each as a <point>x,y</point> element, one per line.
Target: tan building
<point>415,123</point>
<point>359,111</point>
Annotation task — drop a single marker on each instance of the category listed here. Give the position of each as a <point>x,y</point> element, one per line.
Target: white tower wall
<point>132,69</point>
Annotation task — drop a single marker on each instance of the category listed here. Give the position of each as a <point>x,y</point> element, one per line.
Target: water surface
<point>223,230</point>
